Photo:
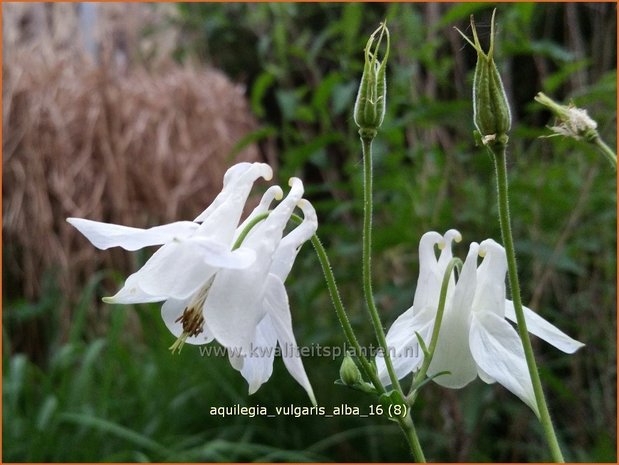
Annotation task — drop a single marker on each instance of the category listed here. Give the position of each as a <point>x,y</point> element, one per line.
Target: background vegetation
<point>119,395</point>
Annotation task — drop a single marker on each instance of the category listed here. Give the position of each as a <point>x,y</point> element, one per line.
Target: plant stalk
<point>408,428</point>
<point>500,162</point>
<point>367,260</point>
<point>406,423</point>
<point>341,313</point>
<point>606,151</point>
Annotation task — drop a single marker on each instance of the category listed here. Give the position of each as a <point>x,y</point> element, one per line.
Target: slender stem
<point>406,424</point>
<point>367,259</point>
<point>408,428</point>
<point>370,372</point>
<point>499,156</point>
<point>421,374</point>
<point>606,151</point>
<point>333,291</point>
<point>248,227</point>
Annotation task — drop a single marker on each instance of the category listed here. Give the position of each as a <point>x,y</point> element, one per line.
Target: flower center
<point>192,318</point>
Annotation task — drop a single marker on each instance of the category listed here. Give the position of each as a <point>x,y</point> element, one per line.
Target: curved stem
<point>606,151</point>
<point>367,260</point>
<point>248,227</point>
<point>370,372</point>
<point>333,291</point>
<point>406,424</point>
<point>499,156</point>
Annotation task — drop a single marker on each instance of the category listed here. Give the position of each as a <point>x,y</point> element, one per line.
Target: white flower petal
<point>106,235</point>
<point>445,246</point>
<point>179,268</point>
<point>464,294</point>
<point>216,254</point>
<point>176,270</point>
<point>236,360</point>
<point>404,349</point>
<point>490,293</point>
<point>276,304</point>
<point>171,310</point>
<point>221,218</point>
<point>452,350</point>
<point>445,257</point>
<point>498,351</point>
<point>429,281</point>
<point>258,364</point>
<point>266,236</point>
<point>544,330</point>
<point>485,377</point>
<point>289,246</point>
<point>131,293</point>
<point>272,193</point>
<point>237,172</point>
<point>233,306</point>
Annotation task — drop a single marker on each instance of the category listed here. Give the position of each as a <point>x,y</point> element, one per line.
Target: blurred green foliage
<point>118,395</point>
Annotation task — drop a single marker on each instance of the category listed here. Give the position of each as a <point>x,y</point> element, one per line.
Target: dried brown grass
<point>81,141</point>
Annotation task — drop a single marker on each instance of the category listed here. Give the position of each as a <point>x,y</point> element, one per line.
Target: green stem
<point>606,151</point>
<point>370,372</point>
<point>367,259</point>
<point>406,424</point>
<point>248,227</point>
<point>408,429</point>
<point>421,374</point>
<point>499,156</point>
<point>323,258</point>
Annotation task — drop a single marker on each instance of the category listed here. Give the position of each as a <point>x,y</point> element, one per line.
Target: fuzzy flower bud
<point>572,122</point>
<point>490,107</point>
<point>349,373</point>
<point>369,109</point>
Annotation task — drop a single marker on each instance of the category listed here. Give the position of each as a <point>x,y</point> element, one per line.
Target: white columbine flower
<point>192,251</point>
<point>213,292</point>
<point>247,310</point>
<point>475,337</point>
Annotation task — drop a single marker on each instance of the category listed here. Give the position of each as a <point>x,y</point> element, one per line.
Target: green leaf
<point>49,407</point>
<point>461,11</point>
<point>249,139</point>
<point>418,386</point>
<point>262,84</point>
<point>115,429</point>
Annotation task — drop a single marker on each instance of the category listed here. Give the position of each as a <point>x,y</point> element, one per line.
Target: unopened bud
<point>369,109</point>
<point>349,373</point>
<point>490,107</point>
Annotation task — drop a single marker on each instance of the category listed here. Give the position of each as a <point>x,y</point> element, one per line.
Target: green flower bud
<point>490,107</point>
<point>369,109</point>
<point>349,373</point>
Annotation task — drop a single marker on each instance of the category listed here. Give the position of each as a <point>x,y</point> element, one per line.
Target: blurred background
<point>131,113</point>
